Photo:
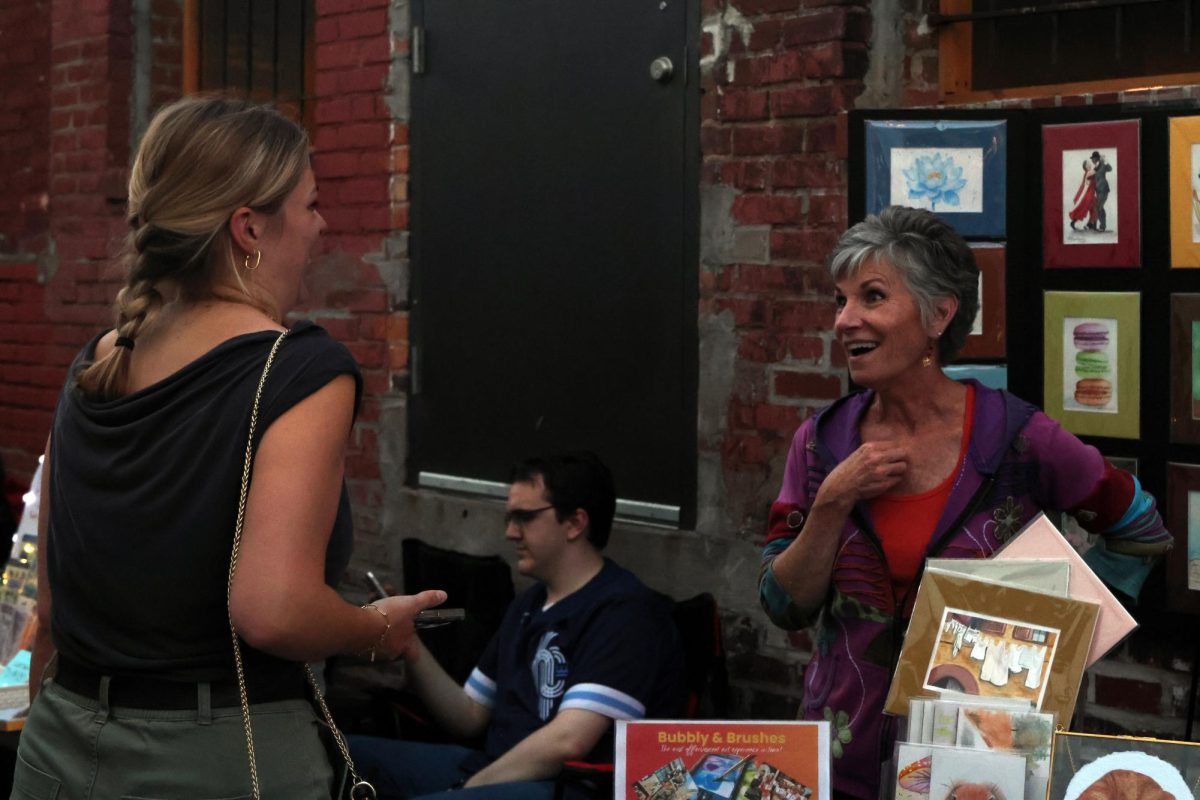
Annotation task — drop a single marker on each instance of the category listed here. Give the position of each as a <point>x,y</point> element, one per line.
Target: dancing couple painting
<point>1091,196</point>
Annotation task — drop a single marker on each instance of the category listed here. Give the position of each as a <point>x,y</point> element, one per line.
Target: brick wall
<point>358,287</point>
<point>24,125</point>
<point>776,74</point>
<point>166,43</point>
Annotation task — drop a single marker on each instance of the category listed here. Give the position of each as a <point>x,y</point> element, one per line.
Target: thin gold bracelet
<point>387,626</point>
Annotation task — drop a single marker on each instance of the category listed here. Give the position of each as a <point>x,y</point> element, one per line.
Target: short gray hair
<point>932,259</point>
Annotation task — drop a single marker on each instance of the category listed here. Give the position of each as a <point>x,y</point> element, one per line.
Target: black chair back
<point>482,585</point>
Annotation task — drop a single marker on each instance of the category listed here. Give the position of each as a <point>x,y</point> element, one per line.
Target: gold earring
<point>257,260</point>
<point>927,359</point>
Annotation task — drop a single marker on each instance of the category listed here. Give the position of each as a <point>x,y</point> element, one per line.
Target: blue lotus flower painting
<point>955,168</point>
<point>935,178</point>
<point>944,179</point>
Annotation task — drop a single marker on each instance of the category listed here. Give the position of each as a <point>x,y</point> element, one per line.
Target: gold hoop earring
<point>257,261</point>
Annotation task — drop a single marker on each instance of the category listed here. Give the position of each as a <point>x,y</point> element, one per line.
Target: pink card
<point>1040,539</point>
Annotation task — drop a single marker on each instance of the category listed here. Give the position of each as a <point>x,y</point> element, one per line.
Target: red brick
<point>360,300</point>
<point>803,245</point>
<point>352,53</point>
<point>802,315</point>
<point>362,135</point>
<point>397,327</point>
<point>806,348</point>
<point>362,79</point>
<point>767,139</point>
<point>747,313</point>
<point>766,209</point>
<point>808,172</point>
<point>774,68</point>
<point>363,191</point>
<point>762,347</point>
<point>716,141</point>
<point>326,30</point>
<point>741,104</point>
<point>765,279</point>
<point>827,209</point>
<point>334,109</point>
<point>827,25</point>
<point>752,8</point>
<point>805,101</point>
<point>335,165</point>
<point>765,36</point>
<point>782,419</point>
<point>807,385</point>
<point>335,8</point>
<point>821,137</point>
<point>364,24</point>
<point>745,174</point>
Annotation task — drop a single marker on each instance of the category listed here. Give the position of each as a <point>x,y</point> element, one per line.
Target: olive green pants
<point>76,748</point>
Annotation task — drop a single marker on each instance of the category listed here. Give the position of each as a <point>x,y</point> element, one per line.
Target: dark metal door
<point>554,229</point>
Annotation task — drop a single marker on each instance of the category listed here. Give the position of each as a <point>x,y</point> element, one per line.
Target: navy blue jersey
<point>610,647</point>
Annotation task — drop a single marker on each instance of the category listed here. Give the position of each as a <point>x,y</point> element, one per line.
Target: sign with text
<point>722,760</point>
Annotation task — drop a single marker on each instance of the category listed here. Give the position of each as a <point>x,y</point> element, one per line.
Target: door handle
<point>661,69</point>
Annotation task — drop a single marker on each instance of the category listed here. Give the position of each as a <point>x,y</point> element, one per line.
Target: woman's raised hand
<point>868,472</point>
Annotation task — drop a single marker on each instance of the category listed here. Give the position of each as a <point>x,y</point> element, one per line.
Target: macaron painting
<point>1090,365</point>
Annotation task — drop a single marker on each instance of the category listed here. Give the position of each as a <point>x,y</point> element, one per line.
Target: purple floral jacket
<point>1019,462</point>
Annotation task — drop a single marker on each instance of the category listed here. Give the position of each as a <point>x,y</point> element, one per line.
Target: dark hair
<point>932,259</point>
<point>572,481</point>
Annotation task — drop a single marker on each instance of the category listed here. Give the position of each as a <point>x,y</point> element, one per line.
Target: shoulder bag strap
<point>360,789</point>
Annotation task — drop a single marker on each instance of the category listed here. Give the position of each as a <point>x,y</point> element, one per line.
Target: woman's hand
<point>868,472</point>
<point>401,610</point>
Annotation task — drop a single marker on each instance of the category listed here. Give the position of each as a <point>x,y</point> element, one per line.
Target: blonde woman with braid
<point>142,481</point>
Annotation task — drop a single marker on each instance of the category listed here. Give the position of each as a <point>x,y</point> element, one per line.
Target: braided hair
<point>201,159</point>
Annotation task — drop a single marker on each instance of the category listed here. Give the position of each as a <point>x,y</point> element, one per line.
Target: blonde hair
<point>202,158</point>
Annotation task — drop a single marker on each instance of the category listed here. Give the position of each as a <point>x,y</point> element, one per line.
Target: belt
<point>139,691</point>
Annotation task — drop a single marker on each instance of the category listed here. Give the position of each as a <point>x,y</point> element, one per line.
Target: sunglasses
<point>523,516</point>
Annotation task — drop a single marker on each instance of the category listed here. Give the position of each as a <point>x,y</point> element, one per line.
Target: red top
<point>905,522</point>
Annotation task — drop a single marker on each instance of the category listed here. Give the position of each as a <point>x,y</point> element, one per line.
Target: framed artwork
<point>954,772</point>
<point>1183,521</point>
<point>1040,539</point>
<point>1185,191</point>
<point>1092,182</point>
<point>1050,575</point>
<point>1093,362</point>
<point>1185,368</point>
<point>954,168</point>
<point>961,628</point>
<point>986,339</point>
<point>1089,765</point>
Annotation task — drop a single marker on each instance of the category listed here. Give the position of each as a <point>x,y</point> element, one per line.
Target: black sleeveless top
<point>143,501</point>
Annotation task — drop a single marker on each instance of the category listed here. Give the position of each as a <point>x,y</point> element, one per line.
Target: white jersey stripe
<point>480,688</point>
<point>603,700</point>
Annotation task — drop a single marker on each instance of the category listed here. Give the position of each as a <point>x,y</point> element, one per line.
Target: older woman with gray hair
<point>916,466</point>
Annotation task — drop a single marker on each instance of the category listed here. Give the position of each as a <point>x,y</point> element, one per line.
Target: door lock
<point>661,69</point>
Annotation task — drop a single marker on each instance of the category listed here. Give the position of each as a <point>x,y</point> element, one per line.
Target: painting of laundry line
<point>991,657</point>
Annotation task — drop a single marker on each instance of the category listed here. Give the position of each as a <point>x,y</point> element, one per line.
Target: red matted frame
<point>990,342</point>
<point>1125,137</point>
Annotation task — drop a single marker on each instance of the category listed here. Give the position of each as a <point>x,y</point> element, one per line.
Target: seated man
<point>586,645</point>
